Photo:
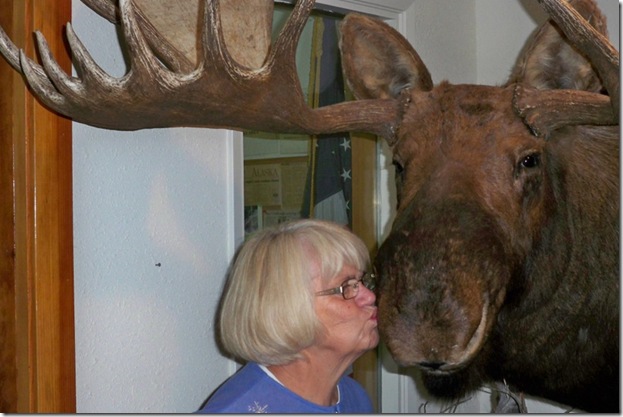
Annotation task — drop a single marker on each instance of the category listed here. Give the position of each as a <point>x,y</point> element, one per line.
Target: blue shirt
<point>251,390</point>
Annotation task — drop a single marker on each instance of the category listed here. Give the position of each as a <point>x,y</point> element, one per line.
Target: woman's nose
<point>366,296</point>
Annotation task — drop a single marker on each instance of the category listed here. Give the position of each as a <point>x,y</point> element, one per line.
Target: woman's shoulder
<point>231,396</point>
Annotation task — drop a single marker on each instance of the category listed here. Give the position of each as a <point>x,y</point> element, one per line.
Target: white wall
<point>444,35</point>
<point>154,229</point>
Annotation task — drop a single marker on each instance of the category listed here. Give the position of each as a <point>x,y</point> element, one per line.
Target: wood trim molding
<point>364,168</point>
<point>37,360</point>
<point>8,369</point>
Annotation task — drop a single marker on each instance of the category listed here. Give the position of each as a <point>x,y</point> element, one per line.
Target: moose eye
<point>399,179</point>
<point>398,166</point>
<point>399,169</point>
<point>530,161</point>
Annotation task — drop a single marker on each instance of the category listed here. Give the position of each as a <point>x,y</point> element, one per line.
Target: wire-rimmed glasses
<point>350,288</point>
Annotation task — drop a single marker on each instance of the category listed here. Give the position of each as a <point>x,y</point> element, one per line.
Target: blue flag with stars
<point>329,186</point>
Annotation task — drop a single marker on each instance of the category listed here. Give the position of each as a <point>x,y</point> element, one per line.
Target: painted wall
<point>154,229</point>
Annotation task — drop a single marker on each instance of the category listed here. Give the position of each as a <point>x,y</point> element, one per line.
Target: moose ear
<point>549,62</point>
<point>378,61</point>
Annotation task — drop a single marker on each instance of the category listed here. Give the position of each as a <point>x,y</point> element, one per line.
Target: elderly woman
<point>298,310</point>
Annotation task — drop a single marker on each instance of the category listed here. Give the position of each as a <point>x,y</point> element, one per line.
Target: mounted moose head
<point>503,260</point>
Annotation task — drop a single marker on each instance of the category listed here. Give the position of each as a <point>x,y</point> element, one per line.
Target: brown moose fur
<point>503,260</point>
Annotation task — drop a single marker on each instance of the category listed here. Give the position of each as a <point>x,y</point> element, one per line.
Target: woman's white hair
<point>267,313</point>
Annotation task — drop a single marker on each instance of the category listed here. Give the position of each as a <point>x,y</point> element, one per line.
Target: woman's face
<point>350,325</point>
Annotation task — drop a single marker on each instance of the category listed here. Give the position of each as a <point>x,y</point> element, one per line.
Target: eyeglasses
<point>350,288</point>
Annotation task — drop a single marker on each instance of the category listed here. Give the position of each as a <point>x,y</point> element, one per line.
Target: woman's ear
<point>378,61</point>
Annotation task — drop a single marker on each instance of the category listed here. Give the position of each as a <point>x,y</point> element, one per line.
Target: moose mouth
<point>459,360</point>
<point>443,360</point>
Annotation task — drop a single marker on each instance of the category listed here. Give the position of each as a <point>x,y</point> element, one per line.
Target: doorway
<point>331,177</point>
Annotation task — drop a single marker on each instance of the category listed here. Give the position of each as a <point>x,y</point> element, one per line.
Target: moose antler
<point>219,93</point>
<point>165,88</point>
<point>168,26</point>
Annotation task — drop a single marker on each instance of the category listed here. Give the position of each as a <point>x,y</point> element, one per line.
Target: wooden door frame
<point>37,357</point>
<point>365,219</point>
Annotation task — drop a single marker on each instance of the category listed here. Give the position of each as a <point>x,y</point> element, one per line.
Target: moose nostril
<point>431,366</point>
